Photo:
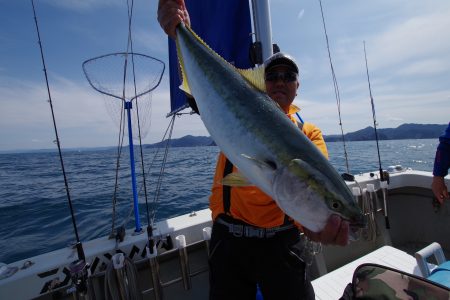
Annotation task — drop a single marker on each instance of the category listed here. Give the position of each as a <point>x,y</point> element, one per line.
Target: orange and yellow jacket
<point>249,203</point>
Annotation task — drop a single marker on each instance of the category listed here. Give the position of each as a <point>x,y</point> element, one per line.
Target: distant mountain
<point>185,141</point>
<point>402,132</point>
<point>405,131</point>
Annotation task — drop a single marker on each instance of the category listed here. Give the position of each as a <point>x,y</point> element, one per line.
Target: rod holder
<point>356,191</point>
<point>368,199</point>
<point>355,233</point>
<point>207,237</point>
<point>373,197</point>
<point>154,269</point>
<point>118,261</point>
<point>184,262</point>
<point>384,188</point>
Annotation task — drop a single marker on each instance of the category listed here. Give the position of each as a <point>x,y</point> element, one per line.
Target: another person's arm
<point>439,188</point>
<point>441,166</point>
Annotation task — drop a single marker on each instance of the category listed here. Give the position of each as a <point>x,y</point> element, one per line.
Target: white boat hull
<point>413,224</point>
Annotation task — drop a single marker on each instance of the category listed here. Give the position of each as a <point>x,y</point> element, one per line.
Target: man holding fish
<point>254,242</point>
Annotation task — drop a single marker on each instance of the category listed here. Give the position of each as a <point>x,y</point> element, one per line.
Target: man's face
<point>281,86</point>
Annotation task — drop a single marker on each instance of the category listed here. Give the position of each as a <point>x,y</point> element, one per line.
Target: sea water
<point>34,211</point>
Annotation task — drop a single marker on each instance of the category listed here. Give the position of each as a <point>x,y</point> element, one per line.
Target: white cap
<point>279,59</point>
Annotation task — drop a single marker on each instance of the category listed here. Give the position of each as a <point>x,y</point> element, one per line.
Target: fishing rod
<point>79,246</point>
<point>373,114</point>
<point>383,179</point>
<point>336,92</point>
<point>79,268</point>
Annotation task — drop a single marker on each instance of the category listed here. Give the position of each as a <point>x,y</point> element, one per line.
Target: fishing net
<point>128,77</point>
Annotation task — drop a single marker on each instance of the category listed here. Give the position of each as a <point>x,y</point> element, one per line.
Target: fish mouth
<point>358,222</point>
<point>356,227</point>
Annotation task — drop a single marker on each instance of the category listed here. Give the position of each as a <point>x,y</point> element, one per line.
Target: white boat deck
<point>332,285</point>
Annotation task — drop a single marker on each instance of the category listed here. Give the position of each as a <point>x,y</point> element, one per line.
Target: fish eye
<point>336,205</point>
<point>272,164</point>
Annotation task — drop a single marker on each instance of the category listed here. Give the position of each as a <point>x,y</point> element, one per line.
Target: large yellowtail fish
<point>257,137</point>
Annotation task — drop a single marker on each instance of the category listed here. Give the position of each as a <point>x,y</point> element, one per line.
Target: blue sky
<point>407,43</point>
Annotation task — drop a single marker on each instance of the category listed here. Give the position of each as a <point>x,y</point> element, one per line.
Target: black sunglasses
<point>285,76</point>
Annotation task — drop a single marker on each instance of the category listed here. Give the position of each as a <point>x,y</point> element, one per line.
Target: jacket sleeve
<point>442,158</point>
<point>315,135</point>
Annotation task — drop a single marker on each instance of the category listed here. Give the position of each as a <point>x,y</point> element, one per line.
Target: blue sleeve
<point>442,158</point>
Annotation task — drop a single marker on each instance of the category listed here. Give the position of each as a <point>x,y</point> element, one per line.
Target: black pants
<point>238,264</point>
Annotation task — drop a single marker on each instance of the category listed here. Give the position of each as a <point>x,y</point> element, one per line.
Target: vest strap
<point>226,188</point>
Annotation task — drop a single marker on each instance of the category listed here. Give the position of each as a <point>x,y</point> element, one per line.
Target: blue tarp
<point>225,25</point>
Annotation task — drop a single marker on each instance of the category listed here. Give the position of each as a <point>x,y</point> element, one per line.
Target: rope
<point>130,279</point>
<point>161,172</point>
<point>116,180</point>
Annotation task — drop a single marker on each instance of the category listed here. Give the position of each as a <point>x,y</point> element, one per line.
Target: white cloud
<point>414,39</point>
<point>397,44</point>
<point>153,40</point>
<point>425,67</point>
<point>392,109</point>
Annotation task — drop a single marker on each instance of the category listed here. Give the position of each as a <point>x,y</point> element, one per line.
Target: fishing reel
<point>165,243</point>
<point>79,272</point>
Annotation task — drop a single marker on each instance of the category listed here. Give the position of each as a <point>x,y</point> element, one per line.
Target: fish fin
<point>236,179</point>
<point>301,168</point>
<point>264,165</point>
<point>184,83</point>
<point>307,172</point>
<point>185,87</point>
<point>255,76</point>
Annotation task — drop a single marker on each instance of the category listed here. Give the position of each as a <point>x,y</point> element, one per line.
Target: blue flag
<point>225,26</point>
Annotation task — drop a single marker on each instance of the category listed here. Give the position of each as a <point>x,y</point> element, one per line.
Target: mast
<point>262,27</point>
